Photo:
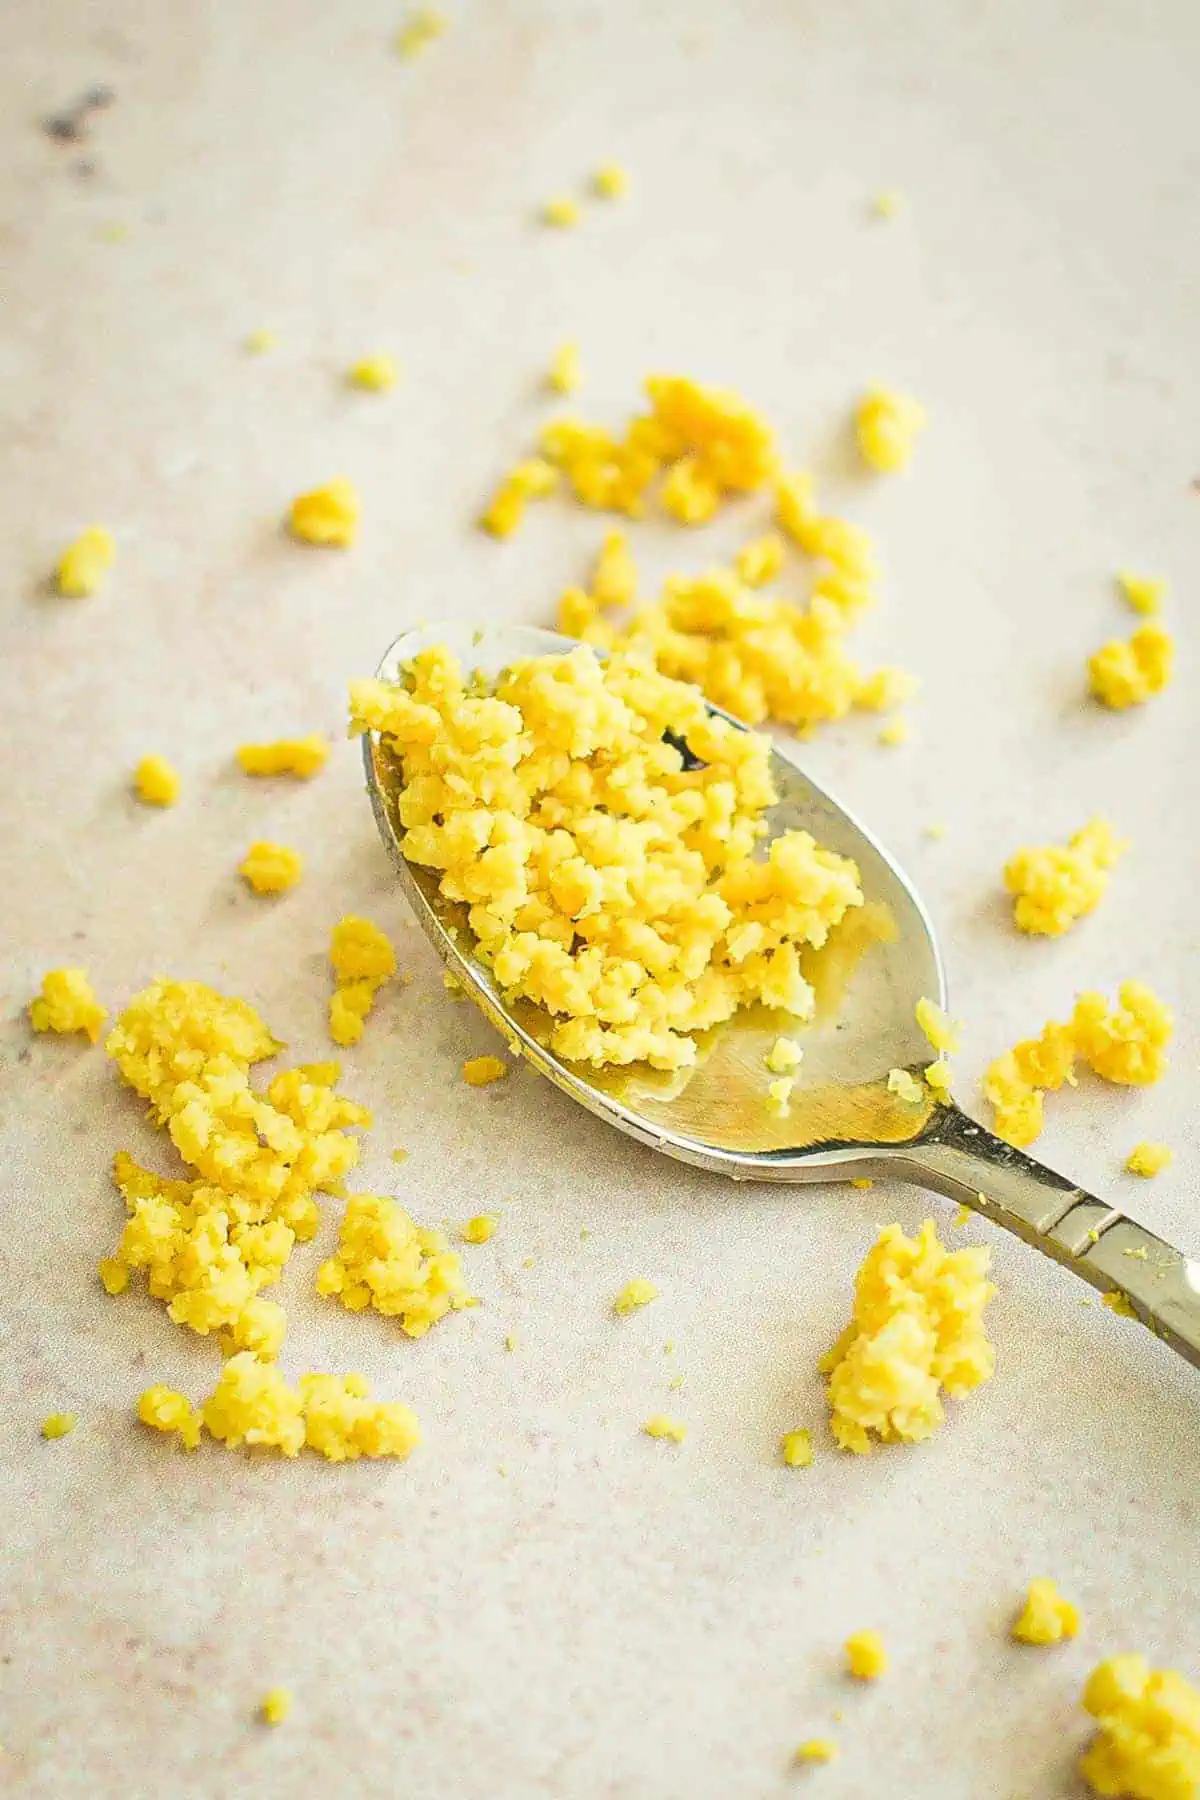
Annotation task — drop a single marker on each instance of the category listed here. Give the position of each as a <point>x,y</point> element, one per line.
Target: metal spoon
<point>844,1120</point>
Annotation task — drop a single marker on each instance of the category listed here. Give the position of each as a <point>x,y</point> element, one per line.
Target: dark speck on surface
<point>73,123</point>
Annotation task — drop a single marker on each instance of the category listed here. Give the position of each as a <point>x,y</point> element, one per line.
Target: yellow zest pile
<point>399,1269</point>
<point>327,516</point>
<point>917,1330</point>
<point>1053,885</point>
<point>67,1002</point>
<point>866,1656</point>
<point>155,782</point>
<point>605,880</point>
<point>1125,672</point>
<point>271,868</point>
<point>84,564</point>
<point>253,1404</point>
<point>301,757</point>
<point>375,373</point>
<point>1127,1046</point>
<point>362,959</point>
<point>1147,1742</point>
<point>1149,1159</point>
<point>1045,1618</point>
<point>888,425</point>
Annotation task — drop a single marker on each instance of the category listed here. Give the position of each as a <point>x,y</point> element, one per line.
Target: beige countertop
<point>543,1602</point>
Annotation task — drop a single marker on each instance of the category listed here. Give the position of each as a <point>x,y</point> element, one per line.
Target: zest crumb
<point>271,868</point>
<point>1126,672</point>
<point>1143,592</point>
<point>259,342</point>
<point>563,374</point>
<point>905,1086</point>
<point>58,1425</point>
<point>796,1449</point>
<point>888,424</point>
<point>1149,1159</point>
<point>327,516</point>
<point>779,1092</point>
<point>660,1426</point>
<point>302,757</point>
<point>558,810</point>
<point>208,1245</point>
<point>252,1404</point>
<point>784,1054</point>
<point>66,1003</point>
<point>1120,1304</point>
<point>156,782</point>
<point>362,959</point>
<point>377,374</point>
<point>399,1269</point>
<point>866,1656</point>
<point>561,212</point>
<point>479,1229</point>
<point>941,1032</point>
<point>481,1071</point>
<point>888,203</point>
<point>84,564</point>
<point>275,1706</point>
<point>1147,1741</point>
<point>633,1296</point>
<point>861,1181</point>
<point>399,1155</point>
<point>759,562</point>
<point>816,1750</point>
<point>916,1330</point>
<point>529,480</point>
<point>1126,1046</point>
<point>1046,1618</point>
<point>894,733</point>
<point>1054,886</point>
<point>962,1217</point>
<point>610,181</point>
<point>423,27</point>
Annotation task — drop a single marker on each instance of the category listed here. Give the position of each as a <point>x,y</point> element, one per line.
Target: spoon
<point>844,1119</point>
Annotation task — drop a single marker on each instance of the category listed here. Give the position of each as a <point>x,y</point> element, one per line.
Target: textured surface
<point>608,1617</point>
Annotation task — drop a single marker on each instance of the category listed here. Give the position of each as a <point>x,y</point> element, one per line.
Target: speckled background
<point>542,1602</point>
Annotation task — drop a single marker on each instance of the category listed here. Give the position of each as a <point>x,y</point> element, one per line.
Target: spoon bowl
<point>844,1118</point>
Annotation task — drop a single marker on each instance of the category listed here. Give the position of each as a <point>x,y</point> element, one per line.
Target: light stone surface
<point>543,1602</point>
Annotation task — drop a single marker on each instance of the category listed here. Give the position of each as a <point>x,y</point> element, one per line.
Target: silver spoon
<point>844,1120</point>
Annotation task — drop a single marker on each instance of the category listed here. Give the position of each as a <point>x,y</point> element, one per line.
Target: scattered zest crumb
<point>866,1657</point>
<point>532,479</point>
<point>399,1155</point>
<point>479,1229</point>
<point>302,757</point>
<point>327,516</point>
<point>905,1086</point>
<point>399,1269</point>
<point>796,1449</point>
<point>563,374</point>
<point>156,782</point>
<point>362,959</point>
<point>510,1342</point>
<point>1149,1159</point>
<point>66,1003</point>
<point>258,343</point>
<point>780,1094</point>
<point>816,1750</point>
<point>916,1330</point>
<point>84,564</point>
<point>375,373</point>
<point>561,212</point>
<point>888,426</point>
<point>1054,886</point>
<point>941,1032</point>
<point>895,732</point>
<point>1046,1618</point>
<point>784,1054</point>
<point>253,1404</point>
<point>1127,672</point>
<point>610,181</point>
<point>58,1425</point>
<point>861,1181</point>
<point>271,868</point>
<point>633,1296</point>
<point>481,1071</point>
<point>660,1426</point>
<point>422,28</point>
<point>962,1216</point>
<point>1147,1741</point>
<point>760,561</point>
<point>888,203</point>
<point>1120,1304</point>
<point>1143,592</point>
<point>275,1706</point>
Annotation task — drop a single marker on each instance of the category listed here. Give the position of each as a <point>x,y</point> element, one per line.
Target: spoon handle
<point>1146,1276</point>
